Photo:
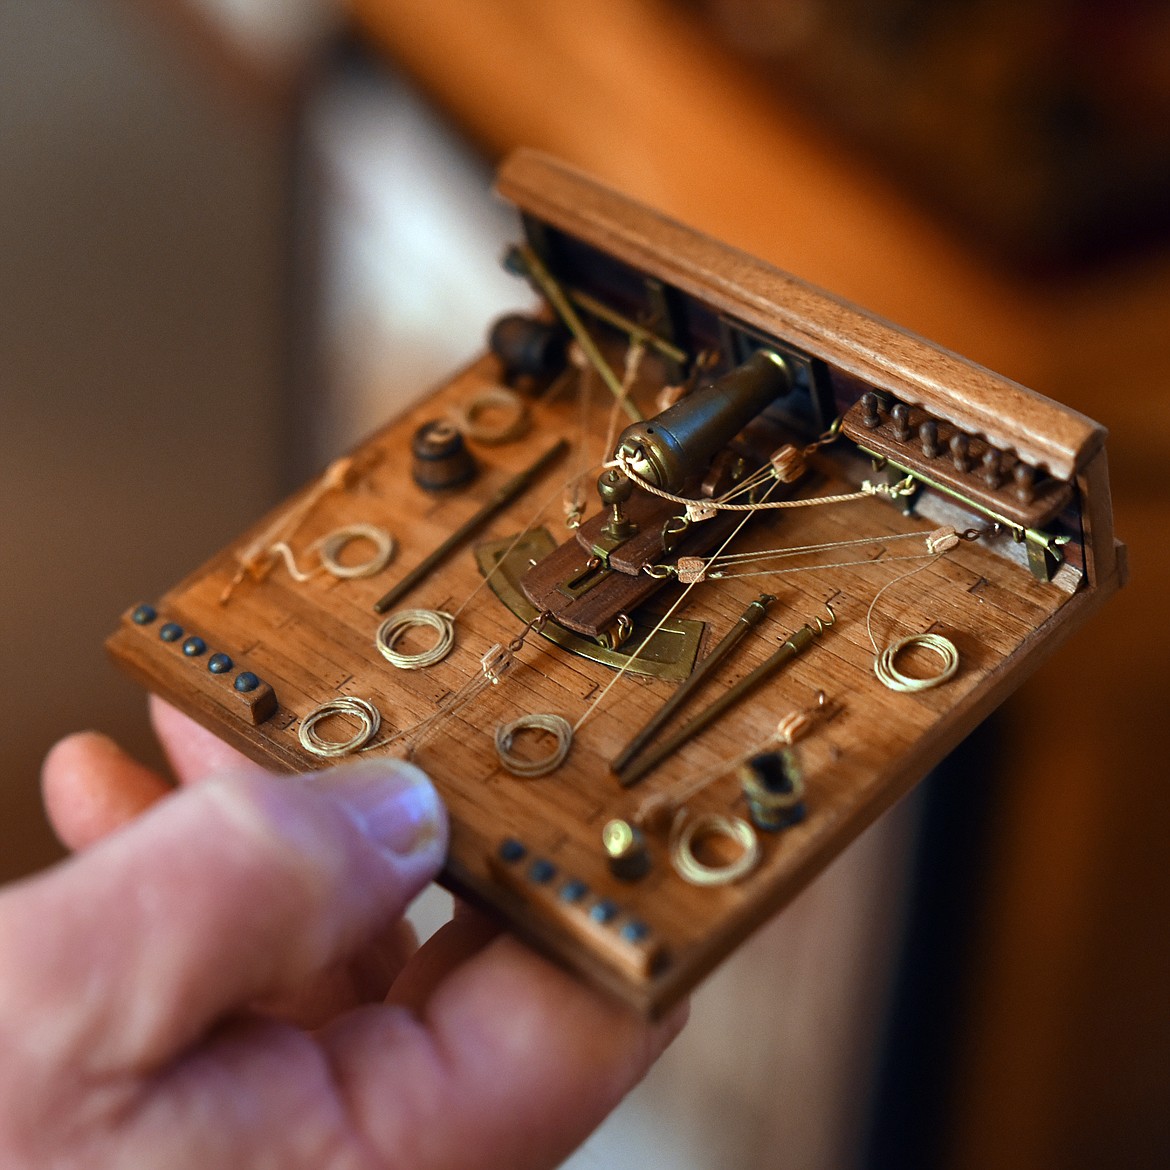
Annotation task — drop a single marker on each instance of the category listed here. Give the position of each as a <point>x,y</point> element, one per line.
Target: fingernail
<point>392,802</point>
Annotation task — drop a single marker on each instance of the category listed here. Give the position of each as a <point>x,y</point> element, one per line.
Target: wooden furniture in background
<point>145,233</point>
<point>1068,1035</point>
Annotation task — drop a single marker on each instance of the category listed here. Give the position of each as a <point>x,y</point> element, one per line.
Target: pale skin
<point>221,977</point>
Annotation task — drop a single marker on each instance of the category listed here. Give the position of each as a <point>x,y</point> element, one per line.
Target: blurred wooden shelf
<point>1063,1063</point>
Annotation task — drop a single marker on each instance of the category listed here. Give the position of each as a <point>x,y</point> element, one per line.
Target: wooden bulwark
<point>913,370</point>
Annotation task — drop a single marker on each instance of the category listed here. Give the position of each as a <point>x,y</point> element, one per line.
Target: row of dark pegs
<point>994,466</point>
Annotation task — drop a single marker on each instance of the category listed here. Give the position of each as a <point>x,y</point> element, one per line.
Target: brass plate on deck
<point>670,654</point>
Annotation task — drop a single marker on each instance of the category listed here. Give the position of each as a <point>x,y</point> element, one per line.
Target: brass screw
<point>629,858</point>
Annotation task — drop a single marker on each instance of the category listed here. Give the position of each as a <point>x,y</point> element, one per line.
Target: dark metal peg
<point>528,346</point>
<point>774,788</point>
<point>440,458</point>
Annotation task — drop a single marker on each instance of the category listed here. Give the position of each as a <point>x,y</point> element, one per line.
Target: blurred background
<point>236,234</point>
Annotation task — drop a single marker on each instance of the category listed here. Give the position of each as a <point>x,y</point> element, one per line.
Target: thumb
<point>240,887</point>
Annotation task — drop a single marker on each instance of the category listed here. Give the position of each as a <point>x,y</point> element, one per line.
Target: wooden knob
<point>1024,476</point>
<point>869,405</point>
<point>928,436</point>
<point>901,416</point>
<point>959,451</point>
<point>992,476</point>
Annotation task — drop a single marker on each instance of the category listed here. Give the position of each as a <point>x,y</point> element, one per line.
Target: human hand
<point>157,989</point>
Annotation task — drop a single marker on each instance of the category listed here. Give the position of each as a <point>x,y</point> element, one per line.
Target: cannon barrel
<point>677,444</point>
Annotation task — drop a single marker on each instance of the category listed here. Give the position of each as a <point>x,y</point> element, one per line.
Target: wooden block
<point>154,645</point>
<point>601,923</point>
<point>1050,497</point>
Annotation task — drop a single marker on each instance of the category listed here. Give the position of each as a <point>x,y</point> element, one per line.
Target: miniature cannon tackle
<point>619,559</point>
<point>812,527</point>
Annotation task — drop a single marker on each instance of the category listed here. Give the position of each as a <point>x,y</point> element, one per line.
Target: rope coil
<point>468,416</point>
<point>392,630</point>
<point>258,558</point>
<point>369,721</point>
<point>883,664</point>
<point>556,725</point>
<point>328,549</point>
<point>889,675</point>
<point>684,833</point>
<point>332,544</point>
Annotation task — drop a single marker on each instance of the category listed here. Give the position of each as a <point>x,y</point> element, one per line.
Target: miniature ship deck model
<point>818,552</point>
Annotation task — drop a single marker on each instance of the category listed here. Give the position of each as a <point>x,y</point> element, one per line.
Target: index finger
<point>193,752</point>
<point>511,1062</point>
